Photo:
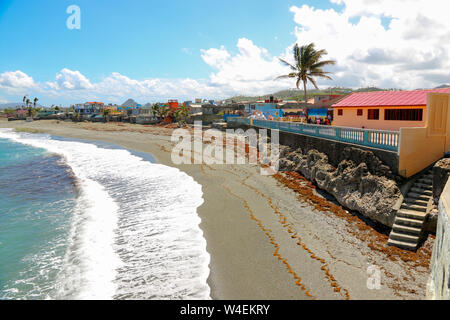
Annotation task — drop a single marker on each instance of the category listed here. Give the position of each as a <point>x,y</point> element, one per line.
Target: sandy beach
<point>268,241</point>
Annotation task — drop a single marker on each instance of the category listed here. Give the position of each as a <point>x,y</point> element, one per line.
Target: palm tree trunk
<point>306,104</point>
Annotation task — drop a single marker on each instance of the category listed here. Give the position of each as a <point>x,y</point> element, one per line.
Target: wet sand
<point>268,241</point>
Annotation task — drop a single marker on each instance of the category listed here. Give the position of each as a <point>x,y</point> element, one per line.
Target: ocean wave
<point>135,230</point>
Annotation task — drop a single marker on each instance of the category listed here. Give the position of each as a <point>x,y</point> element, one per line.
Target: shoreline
<point>264,243</point>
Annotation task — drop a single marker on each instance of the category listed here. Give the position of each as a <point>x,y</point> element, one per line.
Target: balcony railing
<point>386,140</point>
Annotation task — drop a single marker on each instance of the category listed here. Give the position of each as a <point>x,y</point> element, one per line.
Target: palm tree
<point>24,99</point>
<point>307,65</point>
<point>28,103</point>
<point>35,101</point>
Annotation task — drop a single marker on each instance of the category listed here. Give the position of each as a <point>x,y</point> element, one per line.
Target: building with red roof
<point>384,110</point>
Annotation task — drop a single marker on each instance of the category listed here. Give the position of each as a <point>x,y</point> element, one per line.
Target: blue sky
<point>141,38</point>
<point>146,40</point>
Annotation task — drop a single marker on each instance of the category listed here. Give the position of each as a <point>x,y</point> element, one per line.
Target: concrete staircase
<point>408,225</point>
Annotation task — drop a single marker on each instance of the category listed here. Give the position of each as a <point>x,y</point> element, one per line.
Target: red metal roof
<point>387,98</point>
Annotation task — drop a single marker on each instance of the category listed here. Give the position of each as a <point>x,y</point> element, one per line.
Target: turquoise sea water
<point>37,197</point>
<point>85,220</point>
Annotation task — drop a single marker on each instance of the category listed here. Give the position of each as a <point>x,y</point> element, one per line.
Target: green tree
<point>155,108</point>
<point>9,111</point>
<point>163,112</point>
<point>181,114</point>
<point>308,65</point>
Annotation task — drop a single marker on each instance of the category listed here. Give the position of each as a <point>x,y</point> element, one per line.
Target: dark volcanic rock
<point>374,164</point>
<point>362,184</point>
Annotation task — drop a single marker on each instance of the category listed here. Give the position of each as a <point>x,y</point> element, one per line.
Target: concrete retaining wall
<point>333,149</point>
<point>439,283</point>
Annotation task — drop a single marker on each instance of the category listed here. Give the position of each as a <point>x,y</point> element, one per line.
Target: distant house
<point>321,105</point>
<point>89,108</point>
<point>112,109</point>
<point>195,108</point>
<point>268,109</point>
<point>384,110</point>
<point>212,109</point>
<point>21,113</point>
<point>173,105</point>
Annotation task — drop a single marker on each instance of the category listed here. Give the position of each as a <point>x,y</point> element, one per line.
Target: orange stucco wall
<point>351,119</point>
<point>447,145</point>
<point>420,147</point>
<point>418,150</point>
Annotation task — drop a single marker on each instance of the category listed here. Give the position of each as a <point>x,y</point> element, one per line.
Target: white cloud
<point>70,80</point>
<point>117,87</point>
<point>412,52</point>
<point>215,57</point>
<point>251,71</point>
<point>15,81</point>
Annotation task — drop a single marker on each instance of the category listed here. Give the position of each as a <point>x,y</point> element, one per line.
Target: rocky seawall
<point>363,184</point>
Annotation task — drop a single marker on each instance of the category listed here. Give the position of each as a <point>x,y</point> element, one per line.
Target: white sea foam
<point>135,231</point>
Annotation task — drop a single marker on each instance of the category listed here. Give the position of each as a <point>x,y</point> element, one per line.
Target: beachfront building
<point>320,106</point>
<point>413,127</point>
<point>213,109</point>
<point>173,105</point>
<point>384,110</point>
<point>268,109</point>
<point>111,109</point>
<point>20,113</point>
<point>195,108</point>
<point>89,108</point>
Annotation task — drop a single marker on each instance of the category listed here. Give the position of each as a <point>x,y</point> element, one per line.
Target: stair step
<point>421,191</point>
<point>411,214</point>
<point>425,181</point>
<point>423,186</point>
<point>414,207</point>
<point>408,222</point>
<point>402,244</point>
<point>404,237</point>
<point>406,229</point>
<point>417,201</point>
<point>415,195</point>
